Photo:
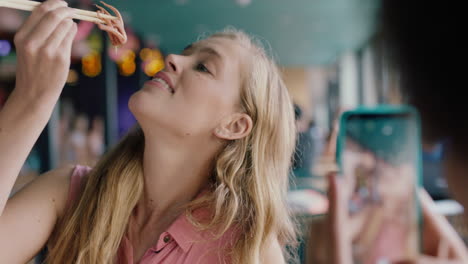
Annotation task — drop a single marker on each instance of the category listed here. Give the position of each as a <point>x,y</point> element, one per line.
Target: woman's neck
<point>173,176</point>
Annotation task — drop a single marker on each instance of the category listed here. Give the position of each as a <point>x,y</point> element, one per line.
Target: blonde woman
<point>202,179</point>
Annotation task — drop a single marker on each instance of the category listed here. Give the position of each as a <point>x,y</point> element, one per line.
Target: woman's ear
<point>238,126</point>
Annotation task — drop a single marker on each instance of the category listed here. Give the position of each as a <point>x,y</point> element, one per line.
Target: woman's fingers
<point>60,33</point>
<point>45,51</point>
<point>47,26</point>
<point>67,42</point>
<point>30,24</point>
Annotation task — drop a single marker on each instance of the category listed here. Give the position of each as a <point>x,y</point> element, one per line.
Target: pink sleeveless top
<point>181,243</point>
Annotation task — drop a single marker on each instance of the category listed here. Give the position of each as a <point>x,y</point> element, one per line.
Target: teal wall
<point>301,32</point>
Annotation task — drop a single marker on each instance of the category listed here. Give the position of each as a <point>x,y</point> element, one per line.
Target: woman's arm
<point>31,214</point>
<point>43,45</point>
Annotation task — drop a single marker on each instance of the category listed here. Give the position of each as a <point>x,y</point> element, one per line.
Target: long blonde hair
<point>250,179</point>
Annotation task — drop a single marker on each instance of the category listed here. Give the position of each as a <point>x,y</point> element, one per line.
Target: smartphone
<point>379,155</point>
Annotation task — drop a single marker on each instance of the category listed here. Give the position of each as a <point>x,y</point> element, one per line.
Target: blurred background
<point>330,53</point>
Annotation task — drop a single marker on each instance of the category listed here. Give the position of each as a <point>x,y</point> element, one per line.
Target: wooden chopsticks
<point>28,5</point>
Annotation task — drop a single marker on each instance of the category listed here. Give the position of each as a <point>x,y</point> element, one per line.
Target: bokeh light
<point>91,64</point>
<point>5,47</point>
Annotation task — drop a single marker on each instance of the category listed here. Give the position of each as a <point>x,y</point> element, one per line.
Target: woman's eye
<point>202,68</point>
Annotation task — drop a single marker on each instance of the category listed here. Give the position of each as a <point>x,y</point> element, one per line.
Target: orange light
<point>91,64</point>
<point>156,54</point>
<point>127,68</point>
<point>145,54</point>
<point>150,54</point>
<point>128,55</point>
<point>154,66</point>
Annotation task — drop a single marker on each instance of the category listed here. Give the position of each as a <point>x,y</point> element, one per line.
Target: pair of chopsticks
<point>28,5</point>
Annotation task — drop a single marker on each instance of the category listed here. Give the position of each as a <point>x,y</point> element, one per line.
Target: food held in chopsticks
<point>28,5</point>
<point>114,27</point>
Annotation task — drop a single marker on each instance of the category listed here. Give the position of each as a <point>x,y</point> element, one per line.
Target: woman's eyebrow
<point>211,51</point>
<point>205,49</point>
<point>190,49</point>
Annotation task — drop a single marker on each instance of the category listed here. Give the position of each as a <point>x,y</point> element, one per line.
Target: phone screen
<point>379,161</point>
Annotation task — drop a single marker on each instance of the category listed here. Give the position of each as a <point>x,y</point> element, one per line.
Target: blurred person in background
<point>78,139</point>
<point>424,44</point>
<point>303,153</point>
<point>201,179</point>
<point>63,131</point>
<point>95,140</point>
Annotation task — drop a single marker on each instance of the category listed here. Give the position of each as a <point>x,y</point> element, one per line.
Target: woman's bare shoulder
<point>57,181</point>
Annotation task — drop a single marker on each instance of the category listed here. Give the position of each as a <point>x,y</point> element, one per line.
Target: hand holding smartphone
<point>375,202</point>
<point>378,152</point>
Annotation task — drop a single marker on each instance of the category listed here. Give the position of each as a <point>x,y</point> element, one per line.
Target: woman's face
<point>204,89</point>
<point>396,182</point>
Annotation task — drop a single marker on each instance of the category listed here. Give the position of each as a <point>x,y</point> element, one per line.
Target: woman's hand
<point>43,45</point>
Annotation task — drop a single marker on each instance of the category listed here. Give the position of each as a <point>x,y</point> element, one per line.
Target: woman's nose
<point>172,63</point>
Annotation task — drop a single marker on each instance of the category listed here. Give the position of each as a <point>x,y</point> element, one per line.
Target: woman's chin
<point>131,108</point>
<point>136,103</point>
